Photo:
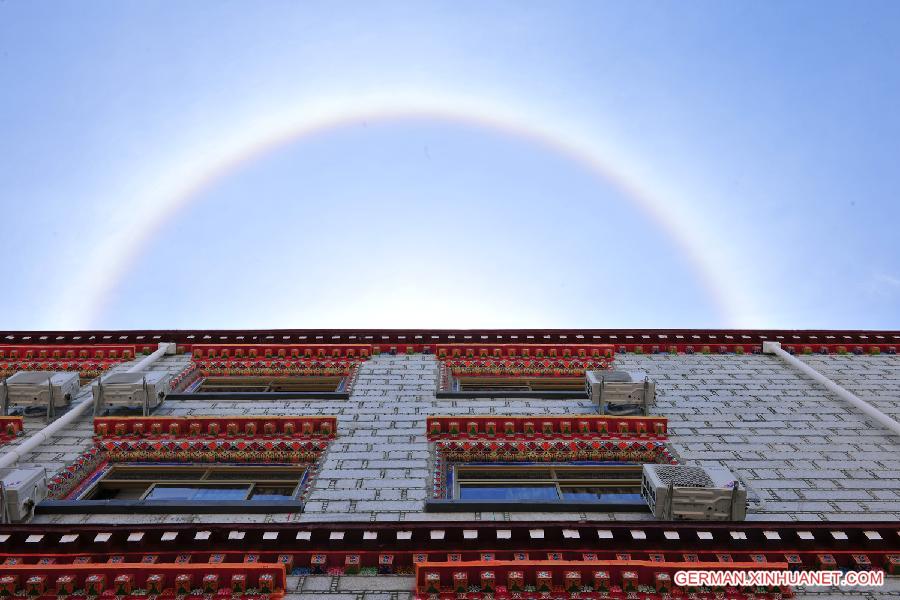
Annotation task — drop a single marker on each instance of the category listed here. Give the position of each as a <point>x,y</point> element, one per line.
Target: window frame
<point>84,503</point>
<point>338,383</point>
<point>553,478</point>
<point>501,383</point>
<point>194,391</point>
<point>460,387</point>
<point>456,503</point>
<point>205,479</point>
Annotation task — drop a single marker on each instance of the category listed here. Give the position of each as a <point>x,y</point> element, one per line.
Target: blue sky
<point>458,164</point>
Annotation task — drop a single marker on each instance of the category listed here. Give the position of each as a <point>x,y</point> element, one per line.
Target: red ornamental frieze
<point>239,451</point>
<point>274,367</point>
<point>803,546</point>
<point>575,560</point>
<point>354,352</point>
<point>213,451</point>
<point>516,427</point>
<point>263,368</point>
<point>85,369</point>
<point>87,360</point>
<point>586,580</point>
<point>44,353</point>
<point>554,451</point>
<point>526,351</point>
<point>525,368</point>
<point>69,478</point>
<point>217,427</point>
<point>132,581</point>
<point>186,377</point>
<point>265,440</point>
<point>199,369</point>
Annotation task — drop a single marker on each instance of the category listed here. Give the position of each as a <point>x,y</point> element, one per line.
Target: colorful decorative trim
<point>72,480</point>
<point>448,453</point>
<point>526,351</point>
<point>500,427</point>
<point>213,451</point>
<point>379,547</point>
<point>277,367</point>
<point>241,440</point>
<point>85,370</point>
<point>547,367</point>
<point>42,353</point>
<point>271,351</point>
<point>873,349</point>
<point>564,438</point>
<point>274,367</point>
<point>520,360</point>
<point>135,580</point>
<point>187,377</point>
<point>88,360</point>
<point>10,428</point>
<point>576,579</point>
<point>71,477</point>
<point>216,427</point>
<point>555,451</point>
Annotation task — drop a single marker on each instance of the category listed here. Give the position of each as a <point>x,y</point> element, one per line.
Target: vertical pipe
<point>11,456</point>
<point>852,399</point>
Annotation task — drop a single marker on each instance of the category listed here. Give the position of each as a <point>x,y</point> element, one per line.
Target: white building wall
<point>805,455</point>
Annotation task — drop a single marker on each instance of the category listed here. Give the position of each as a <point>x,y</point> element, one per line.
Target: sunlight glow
<point>196,170</point>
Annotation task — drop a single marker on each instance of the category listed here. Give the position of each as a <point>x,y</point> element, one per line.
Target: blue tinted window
<point>230,492</point>
<point>603,497</point>
<point>198,493</point>
<point>170,492</point>
<point>508,492</point>
<point>591,482</point>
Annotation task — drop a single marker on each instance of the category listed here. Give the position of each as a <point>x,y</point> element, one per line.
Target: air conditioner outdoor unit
<point>620,392</point>
<point>37,388</point>
<point>145,390</point>
<point>681,492</point>
<point>21,490</point>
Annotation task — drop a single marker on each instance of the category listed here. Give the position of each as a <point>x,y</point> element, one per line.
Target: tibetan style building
<point>383,465</point>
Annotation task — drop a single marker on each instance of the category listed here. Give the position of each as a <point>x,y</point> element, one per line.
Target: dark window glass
<point>271,384</point>
<point>519,384</point>
<point>469,474</point>
<point>261,474</point>
<point>131,492</point>
<point>262,493</point>
<point>153,473</point>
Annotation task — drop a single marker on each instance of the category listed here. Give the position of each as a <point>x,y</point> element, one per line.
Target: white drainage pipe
<point>850,398</point>
<point>12,455</point>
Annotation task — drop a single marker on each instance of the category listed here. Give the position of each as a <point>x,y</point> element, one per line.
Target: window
<point>541,386</point>
<point>519,384</point>
<point>615,484</point>
<point>544,462</point>
<point>198,483</point>
<point>271,384</point>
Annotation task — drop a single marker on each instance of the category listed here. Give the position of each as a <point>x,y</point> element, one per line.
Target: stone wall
<point>805,455</point>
